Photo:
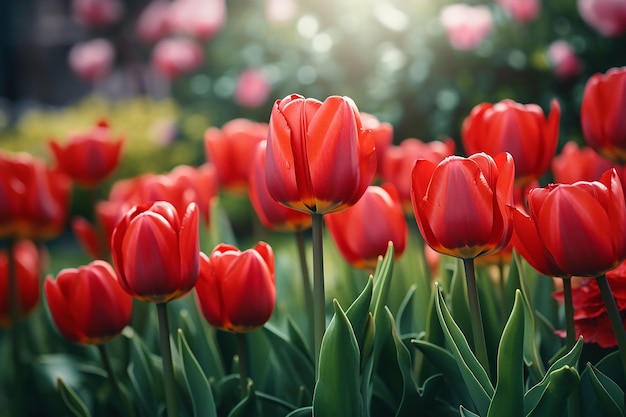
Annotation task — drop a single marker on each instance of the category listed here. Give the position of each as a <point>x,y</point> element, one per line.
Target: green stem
<point>168,367</point>
<point>570,330</point>
<point>319,322</point>
<point>104,355</point>
<point>614,316</point>
<point>242,352</point>
<point>477,323</point>
<point>502,288</point>
<point>14,314</point>
<point>306,282</point>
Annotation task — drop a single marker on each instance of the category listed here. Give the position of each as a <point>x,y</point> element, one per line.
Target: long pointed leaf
<point>72,400</point>
<point>197,382</point>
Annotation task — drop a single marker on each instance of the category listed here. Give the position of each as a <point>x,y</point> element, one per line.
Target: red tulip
<point>521,130</point>
<point>201,19</point>
<point>92,60</point>
<point>89,158</point>
<point>522,11</point>
<point>28,268</point>
<point>95,238</point>
<point>563,60</point>
<point>608,17</point>
<point>579,164</point>
<point>156,251</point>
<point>273,215</point>
<point>466,26</point>
<point>398,161</point>
<point>319,159</point>
<point>97,13</point>
<point>461,204</point>
<point>574,229</point>
<point>591,319</point>
<point>362,232</point>
<point>383,136</point>
<point>173,57</point>
<point>603,113</point>
<point>253,88</point>
<point>152,25</point>
<point>231,149</point>
<point>34,200</point>
<point>236,290</point>
<point>87,304</point>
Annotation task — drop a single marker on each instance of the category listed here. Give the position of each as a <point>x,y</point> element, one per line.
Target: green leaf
<point>610,395</point>
<point>201,339</point>
<point>405,319</point>
<point>359,313</point>
<point>552,391</point>
<point>459,303</point>
<point>145,378</point>
<point>197,383</point>
<point>472,372</point>
<point>508,398</point>
<point>467,413</point>
<point>301,412</point>
<point>337,389</point>
<point>297,338</point>
<point>72,400</point>
<point>246,407</point>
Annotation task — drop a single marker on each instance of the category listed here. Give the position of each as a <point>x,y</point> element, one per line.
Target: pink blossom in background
<point>201,19</point>
<point>466,26</point>
<point>97,13</point>
<point>92,60</point>
<point>522,11</point>
<point>563,59</point>
<point>280,11</point>
<point>608,17</point>
<point>253,88</point>
<point>172,57</point>
<point>152,23</point>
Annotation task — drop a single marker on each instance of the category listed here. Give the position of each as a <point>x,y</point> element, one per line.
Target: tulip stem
<point>614,316</point>
<point>104,355</point>
<point>168,367</point>
<point>14,313</point>
<point>570,330</point>
<point>242,352</point>
<point>318,288</point>
<point>475,315</point>
<point>306,281</point>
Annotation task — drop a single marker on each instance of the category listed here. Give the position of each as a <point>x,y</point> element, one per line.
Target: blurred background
<point>164,71</point>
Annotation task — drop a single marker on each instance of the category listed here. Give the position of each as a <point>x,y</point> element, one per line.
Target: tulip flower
<point>201,19</point>
<point>397,163</point>
<point>152,24</point>
<point>383,136</point>
<point>97,13</point>
<point>173,57</point>
<point>27,269</point>
<point>236,290</point>
<point>607,17</point>
<point>574,229</point>
<point>273,215</point>
<point>466,26</point>
<point>359,239</point>
<point>87,304</point>
<point>521,130</point>
<point>34,200</point>
<point>602,113</point>
<point>89,158</point>
<point>319,159</point>
<point>563,60</point>
<point>253,88</point>
<point>156,251</point>
<point>92,60</point>
<point>231,149</point>
<point>579,164</point>
<point>460,204</point>
<point>461,210</point>
<point>95,238</point>
<point>522,11</point>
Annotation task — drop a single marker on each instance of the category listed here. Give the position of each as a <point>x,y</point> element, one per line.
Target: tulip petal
<point>189,248</point>
<point>60,310</point>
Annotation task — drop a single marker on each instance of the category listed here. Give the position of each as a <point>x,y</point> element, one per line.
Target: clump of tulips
<point>450,285</point>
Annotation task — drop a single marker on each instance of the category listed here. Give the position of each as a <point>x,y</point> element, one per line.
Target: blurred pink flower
<point>563,59</point>
<point>172,57</point>
<point>201,19</point>
<point>467,26</point>
<point>521,10</point>
<point>608,17</point>
<point>97,13</point>
<point>280,11</point>
<point>152,23</point>
<point>253,88</point>
<point>92,60</point>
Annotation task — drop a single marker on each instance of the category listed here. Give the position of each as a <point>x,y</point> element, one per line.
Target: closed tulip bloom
<point>362,233</point>
<point>272,214</point>
<point>383,135</point>
<point>231,149</point>
<point>319,159</point>
<point>398,161</point>
<point>521,130</point>
<point>603,113</point>
<point>461,204</point>
<point>156,251</point>
<point>236,290</point>
<point>95,238</point>
<point>577,228</point>
<point>28,268</point>
<point>34,200</point>
<point>87,303</point>
<point>89,158</point>
<point>579,164</point>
